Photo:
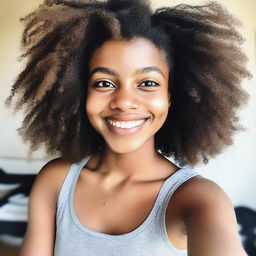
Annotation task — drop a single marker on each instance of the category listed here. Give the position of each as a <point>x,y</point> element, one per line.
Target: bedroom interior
<point>18,171</point>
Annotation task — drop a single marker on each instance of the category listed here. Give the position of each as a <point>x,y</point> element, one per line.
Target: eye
<point>103,84</point>
<point>149,83</point>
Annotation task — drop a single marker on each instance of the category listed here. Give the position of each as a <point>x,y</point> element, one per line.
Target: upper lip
<point>126,117</point>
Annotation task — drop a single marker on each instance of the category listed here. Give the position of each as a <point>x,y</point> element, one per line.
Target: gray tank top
<point>149,239</point>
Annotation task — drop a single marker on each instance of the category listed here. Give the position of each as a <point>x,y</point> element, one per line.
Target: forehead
<point>133,54</point>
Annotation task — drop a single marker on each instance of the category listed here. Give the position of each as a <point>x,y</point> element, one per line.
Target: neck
<point>139,164</point>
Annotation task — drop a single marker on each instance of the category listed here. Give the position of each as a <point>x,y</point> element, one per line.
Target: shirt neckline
<point>133,232</point>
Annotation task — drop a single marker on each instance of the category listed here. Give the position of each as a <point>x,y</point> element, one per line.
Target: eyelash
<point>96,84</point>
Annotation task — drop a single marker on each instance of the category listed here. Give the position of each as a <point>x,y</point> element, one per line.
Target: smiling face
<point>127,99</point>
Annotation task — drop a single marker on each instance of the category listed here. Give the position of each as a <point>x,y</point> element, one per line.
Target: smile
<point>125,127</point>
<point>126,124</point>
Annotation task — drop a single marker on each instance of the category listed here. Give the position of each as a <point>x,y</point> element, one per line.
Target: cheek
<point>91,106</point>
<point>88,105</point>
<point>160,106</point>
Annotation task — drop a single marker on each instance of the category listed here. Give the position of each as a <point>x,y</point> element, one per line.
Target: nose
<point>124,98</point>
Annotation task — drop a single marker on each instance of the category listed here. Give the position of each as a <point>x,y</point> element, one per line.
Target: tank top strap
<point>170,185</point>
<point>68,184</point>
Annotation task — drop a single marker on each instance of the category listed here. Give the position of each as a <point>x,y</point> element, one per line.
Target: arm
<point>210,221</point>
<point>39,237</point>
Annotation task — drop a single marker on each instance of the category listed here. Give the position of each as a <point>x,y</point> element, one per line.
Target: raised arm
<point>210,221</point>
<point>39,237</point>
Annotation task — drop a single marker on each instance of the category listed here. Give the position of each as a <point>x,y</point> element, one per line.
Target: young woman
<point>115,87</point>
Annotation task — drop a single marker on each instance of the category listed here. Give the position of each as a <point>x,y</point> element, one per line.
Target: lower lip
<point>125,131</point>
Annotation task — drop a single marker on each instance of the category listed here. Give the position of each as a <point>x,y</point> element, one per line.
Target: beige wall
<point>11,29</point>
<point>234,170</point>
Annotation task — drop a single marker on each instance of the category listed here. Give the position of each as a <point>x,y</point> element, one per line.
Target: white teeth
<point>127,124</point>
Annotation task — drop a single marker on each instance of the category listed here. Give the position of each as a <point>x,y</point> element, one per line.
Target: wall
<point>234,170</point>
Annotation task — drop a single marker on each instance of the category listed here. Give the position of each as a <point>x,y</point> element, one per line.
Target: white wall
<point>234,170</point>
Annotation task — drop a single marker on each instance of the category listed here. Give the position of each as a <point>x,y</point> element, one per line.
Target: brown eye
<point>149,83</point>
<point>103,84</point>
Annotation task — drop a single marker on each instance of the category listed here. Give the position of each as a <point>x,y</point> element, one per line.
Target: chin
<point>125,147</point>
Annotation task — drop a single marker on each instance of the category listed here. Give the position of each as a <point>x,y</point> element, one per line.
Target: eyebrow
<point>149,69</point>
<point>107,71</point>
<point>110,71</point>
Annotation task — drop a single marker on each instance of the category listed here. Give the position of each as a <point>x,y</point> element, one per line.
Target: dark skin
<point>115,171</point>
<point>199,217</point>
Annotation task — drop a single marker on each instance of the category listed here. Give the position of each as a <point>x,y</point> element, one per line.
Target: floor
<point>7,250</point>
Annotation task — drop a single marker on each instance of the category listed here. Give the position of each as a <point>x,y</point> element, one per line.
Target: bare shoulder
<point>209,218</point>
<point>199,195</point>
<point>53,173</point>
<point>199,190</point>
<point>42,208</point>
<point>49,181</point>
